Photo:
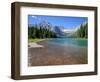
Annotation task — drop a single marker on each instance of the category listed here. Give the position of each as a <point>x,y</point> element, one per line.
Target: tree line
<point>34,32</point>
<point>82,32</point>
<point>40,32</point>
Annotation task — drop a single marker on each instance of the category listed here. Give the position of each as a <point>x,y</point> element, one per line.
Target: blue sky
<point>66,21</point>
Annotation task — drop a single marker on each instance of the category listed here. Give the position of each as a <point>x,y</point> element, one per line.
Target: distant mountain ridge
<point>79,30</point>
<point>46,25</point>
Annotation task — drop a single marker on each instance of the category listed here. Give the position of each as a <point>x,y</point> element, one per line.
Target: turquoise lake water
<point>69,41</point>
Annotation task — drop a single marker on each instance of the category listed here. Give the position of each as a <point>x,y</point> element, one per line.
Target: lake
<point>69,42</point>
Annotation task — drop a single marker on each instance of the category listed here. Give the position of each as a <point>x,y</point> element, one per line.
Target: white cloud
<point>34,17</point>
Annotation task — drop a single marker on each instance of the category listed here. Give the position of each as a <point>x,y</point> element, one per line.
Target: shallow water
<point>69,41</point>
<point>55,54</point>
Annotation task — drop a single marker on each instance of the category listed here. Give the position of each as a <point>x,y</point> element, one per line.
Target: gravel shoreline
<point>56,55</point>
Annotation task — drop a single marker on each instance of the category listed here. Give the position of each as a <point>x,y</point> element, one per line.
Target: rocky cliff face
<point>45,25</point>
<point>59,31</point>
